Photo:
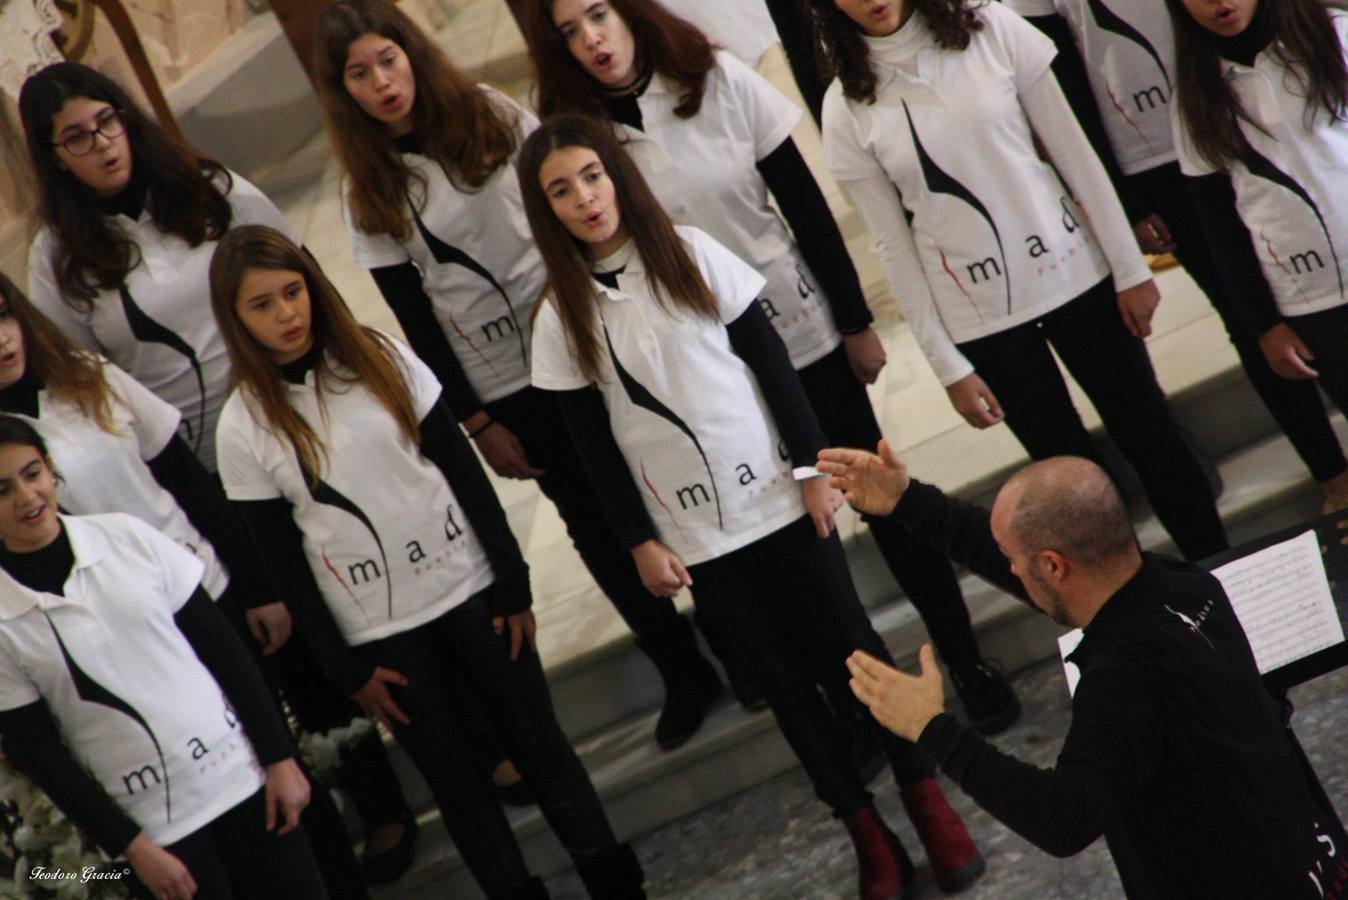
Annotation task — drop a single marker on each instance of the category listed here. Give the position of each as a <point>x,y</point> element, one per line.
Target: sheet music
<point>1282,598</point>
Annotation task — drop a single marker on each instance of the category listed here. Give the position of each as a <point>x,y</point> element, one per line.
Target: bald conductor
<point>1176,753</point>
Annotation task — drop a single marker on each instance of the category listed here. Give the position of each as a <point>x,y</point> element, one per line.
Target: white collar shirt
<point>133,702</point>
<point>105,471</point>
<point>388,543</point>
<point>685,410</point>
<point>999,239</point>
<point>478,264</point>
<point>1291,196</point>
<point>1128,47</point>
<point>703,171</point>
<point>159,326</point>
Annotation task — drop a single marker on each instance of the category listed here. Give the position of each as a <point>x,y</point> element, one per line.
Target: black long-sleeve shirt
<point>273,527</point>
<point>1176,752</point>
<point>32,739</point>
<point>755,341</point>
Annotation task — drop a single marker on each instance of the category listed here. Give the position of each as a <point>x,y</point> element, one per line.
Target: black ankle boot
<point>988,700</point>
<point>691,684</point>
<point>613,875</point>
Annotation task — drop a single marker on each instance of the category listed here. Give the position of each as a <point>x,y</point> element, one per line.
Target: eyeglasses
<point>110,123</point>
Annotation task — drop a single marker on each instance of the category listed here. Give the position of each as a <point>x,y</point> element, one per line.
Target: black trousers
<point>536,419</point>
<point>1114,370</point>
<point>927,578</point>
<point>1294,405</point>
<point>788,599</point>
<point>236,857</point>
<point>515,698</point>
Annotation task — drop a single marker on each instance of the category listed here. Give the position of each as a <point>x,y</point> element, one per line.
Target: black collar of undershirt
<point>609,279</point>
<point>622,102</point>
<point>410,143</point>
<point>45,570</point>
<point>1137,595</point>
<point>1244,47</point>
<point>129,203</point>
<point>295,370</point>
<point>21,396</point>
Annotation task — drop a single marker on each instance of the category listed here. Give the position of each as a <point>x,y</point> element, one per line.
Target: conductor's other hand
<point>902,703</point>
<point>871,482</point>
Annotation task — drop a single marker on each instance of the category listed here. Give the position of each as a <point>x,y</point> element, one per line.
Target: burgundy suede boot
<point>883,868</point>
<point>951,852</point>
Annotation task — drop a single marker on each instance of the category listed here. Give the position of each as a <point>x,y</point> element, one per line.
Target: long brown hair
<point>673,277</point>
<point>68,372</point>
<point>365,356</point>
<point>1302,39</point>
<point>671,46</point>
<point>186,191</point>
<point>840,44</point>
<point>461,127</point>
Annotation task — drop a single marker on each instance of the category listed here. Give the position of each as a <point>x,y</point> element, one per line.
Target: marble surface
<point>777,841</point>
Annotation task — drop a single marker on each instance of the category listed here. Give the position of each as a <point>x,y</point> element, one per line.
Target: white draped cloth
<point>741,26</point>
<point>25,40</point>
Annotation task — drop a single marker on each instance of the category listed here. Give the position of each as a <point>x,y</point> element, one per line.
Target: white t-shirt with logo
<point>685,410</point>
<point>1291,197</point>
<point>105,471</point>
<point>388,543</point>
<point>703,171</point>
<point>135,705</point>
<point>159,329</point>
<point>1128,47</point>
<point>478,264</point>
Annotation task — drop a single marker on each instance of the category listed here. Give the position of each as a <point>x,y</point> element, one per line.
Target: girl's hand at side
<point>865,354</point>
<point>974,401</point>
<point>376,701</point>
<point>822,502</point>
<point>159,870</point>
<point>502,450</point>
<point>1286,353</point>
<point>1137,305</point>
<point>522,628</point>
<point>661,570</point>
<point>287,795</point>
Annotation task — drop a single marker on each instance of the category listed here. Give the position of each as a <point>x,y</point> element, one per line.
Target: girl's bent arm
<point>222,653</point>
<point>32,743</point>
<point>445,445</point>
<point>1057,127</point>
<point>281,545</point>
<point>755,341</point>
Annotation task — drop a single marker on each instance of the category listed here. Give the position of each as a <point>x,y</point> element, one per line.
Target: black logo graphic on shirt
<point>446,255</point>
<point>1109,21</point>
<point>638,394</point>
<point>938,181</point>
<point>90,691</point>
<point>1262,167</point>
<point>452,528</point>
<point>324,493</point>
<point>147,330</point>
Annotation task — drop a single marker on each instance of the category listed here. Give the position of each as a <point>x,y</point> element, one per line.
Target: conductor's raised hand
<point>1287,353</point>
<point>974,400</point>
<point>871,482</point>
<point>1137,305</point>
<point>375,699</point>
<point>902,703</point>
<point>661,570</point>
<point>287,795</point>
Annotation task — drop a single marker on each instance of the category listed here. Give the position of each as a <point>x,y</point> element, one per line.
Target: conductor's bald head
<point>1064,528</point>
<point>1071,505</point>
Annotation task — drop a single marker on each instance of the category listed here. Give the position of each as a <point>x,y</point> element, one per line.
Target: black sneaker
<point>989,703</point>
